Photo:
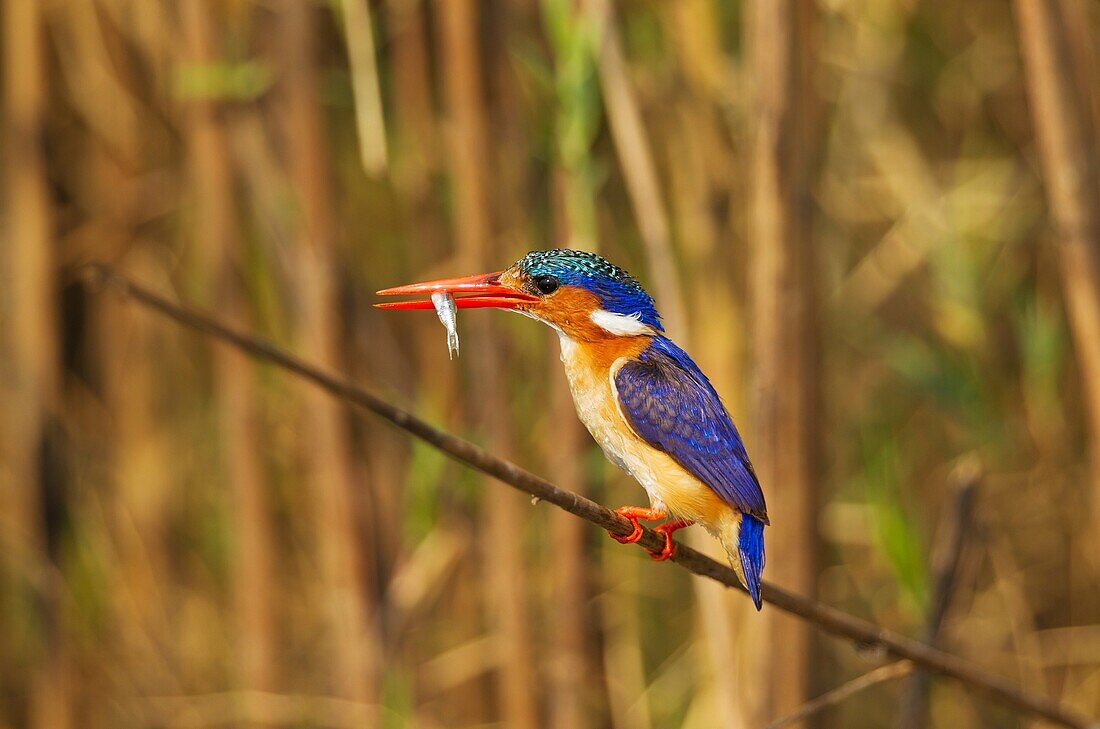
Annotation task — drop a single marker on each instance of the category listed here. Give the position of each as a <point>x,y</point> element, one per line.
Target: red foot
<point>633,514</point>
<point>667,529</point>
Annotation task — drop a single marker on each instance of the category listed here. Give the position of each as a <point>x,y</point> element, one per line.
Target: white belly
<point>668,484</point>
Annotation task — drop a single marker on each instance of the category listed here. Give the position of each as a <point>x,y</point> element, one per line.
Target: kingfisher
<point>646,403</point>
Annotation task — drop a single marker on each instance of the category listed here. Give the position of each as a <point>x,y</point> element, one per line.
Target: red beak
<point>480,291</point>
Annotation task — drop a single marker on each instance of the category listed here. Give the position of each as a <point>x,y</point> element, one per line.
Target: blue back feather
<point>671,404</point>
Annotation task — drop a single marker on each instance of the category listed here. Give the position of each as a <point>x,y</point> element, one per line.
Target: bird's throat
<point>597,355</point>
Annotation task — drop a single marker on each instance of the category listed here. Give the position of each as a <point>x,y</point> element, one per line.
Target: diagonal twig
<point>913,711</point>
<point>845,691</point>
<point>827,618</point>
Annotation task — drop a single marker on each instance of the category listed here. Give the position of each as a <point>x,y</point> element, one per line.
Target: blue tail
<point>750,543</point>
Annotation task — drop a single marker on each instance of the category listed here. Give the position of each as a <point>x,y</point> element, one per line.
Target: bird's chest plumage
<point>591,380</point>
<point>595,402</point>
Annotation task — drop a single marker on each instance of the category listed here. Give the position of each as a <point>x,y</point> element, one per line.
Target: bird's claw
<point>634,513</point>
<point>666,552</point>
<point>631,538</point>
<point>667,529</point>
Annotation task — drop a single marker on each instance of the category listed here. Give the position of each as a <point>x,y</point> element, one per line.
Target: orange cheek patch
<point>570,309</point>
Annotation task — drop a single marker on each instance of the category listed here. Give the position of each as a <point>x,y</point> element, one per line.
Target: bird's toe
<point>631,538</point>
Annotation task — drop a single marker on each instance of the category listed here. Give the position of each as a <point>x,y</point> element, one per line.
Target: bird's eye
<point>546,284</point>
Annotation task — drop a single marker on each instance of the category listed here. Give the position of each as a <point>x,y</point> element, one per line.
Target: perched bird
<point>646,403</point>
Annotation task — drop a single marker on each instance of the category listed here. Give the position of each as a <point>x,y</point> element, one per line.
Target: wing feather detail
<point>671,404</point>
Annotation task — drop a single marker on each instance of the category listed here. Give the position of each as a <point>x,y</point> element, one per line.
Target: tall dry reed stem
<point>350,612</point>
<point>217,232</point>
<point>785,433</point>
<point>506,586</point>
<point>29,376</point>
<point>1068,153</point>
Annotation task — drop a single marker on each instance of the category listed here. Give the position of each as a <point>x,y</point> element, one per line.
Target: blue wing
<point>671,404</point>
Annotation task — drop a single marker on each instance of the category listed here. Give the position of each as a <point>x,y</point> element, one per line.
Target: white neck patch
<point>620,324</point>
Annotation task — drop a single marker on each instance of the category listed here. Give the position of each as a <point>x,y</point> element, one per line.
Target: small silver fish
<point>448,314</point>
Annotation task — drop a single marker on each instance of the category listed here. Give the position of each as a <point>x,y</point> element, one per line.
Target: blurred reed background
<point>875,223</point>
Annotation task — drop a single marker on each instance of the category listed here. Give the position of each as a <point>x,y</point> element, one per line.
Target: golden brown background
<point>874,223</point>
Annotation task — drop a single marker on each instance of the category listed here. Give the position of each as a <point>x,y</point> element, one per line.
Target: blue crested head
<point>617,291</point>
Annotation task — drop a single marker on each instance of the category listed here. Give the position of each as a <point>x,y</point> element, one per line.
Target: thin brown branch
<point>845,691</point>
<point>827,618</point>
